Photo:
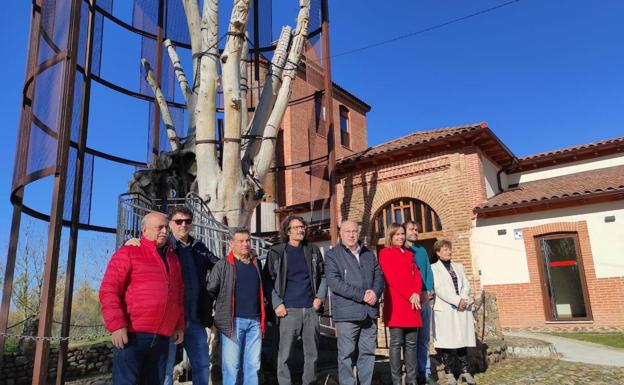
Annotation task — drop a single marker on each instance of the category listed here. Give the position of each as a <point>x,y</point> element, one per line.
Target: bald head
<point>154,228</point>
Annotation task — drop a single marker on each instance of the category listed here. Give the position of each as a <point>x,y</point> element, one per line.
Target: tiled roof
<point>582,184</point>
<point>572,149</point>
<point>416,138</point>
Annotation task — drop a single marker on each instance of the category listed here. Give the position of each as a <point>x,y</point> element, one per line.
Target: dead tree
<point>229,180</point>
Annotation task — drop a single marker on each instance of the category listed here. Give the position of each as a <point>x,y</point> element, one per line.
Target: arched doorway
<point>405,209</point>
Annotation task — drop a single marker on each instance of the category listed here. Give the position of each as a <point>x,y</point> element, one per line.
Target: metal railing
<point>133,207</point>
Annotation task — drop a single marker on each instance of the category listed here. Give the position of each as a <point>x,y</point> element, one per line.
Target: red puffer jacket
<point>402,280</point>
<point>137,293</point>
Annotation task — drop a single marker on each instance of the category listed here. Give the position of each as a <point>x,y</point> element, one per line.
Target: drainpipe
<point>498,180</point>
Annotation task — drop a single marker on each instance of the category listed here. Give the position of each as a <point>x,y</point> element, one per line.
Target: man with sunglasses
<point>196,262</point>
<point>295,280</point>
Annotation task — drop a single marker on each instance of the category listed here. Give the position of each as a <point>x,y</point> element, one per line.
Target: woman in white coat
<point>453,321</point>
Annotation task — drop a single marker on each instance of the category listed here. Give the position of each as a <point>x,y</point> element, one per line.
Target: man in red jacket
<point>142,304</point>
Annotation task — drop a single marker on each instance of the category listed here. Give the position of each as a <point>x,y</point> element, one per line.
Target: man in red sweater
<point>142,304</point>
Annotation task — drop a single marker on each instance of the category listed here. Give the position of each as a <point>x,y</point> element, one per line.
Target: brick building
<point>542,232</point>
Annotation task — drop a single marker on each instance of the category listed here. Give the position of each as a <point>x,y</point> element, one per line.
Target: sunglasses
<point>180,221</point>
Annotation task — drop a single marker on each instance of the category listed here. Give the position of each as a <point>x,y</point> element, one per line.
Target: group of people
<point>414,288</point>
<point>168,289</point>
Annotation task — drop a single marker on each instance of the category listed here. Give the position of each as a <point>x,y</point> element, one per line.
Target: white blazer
<point>452,328</point>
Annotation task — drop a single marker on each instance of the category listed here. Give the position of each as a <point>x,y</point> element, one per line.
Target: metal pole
<point>256,40</point>
<point>21,155</point>
<point>329,121</point>
<point>159,40</point>
<point>76,200</point>
<point>48,290</point>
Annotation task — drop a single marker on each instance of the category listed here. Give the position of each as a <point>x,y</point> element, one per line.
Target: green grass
<point>615,340</point>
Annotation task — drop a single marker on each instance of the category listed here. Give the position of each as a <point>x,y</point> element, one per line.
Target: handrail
<point>206,228</point>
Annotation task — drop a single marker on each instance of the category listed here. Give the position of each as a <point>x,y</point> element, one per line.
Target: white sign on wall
<point>517,234</point>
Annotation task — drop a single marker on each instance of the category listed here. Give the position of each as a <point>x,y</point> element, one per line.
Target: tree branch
<point>162,104</point>
<point>244,76</point>
<point>262,161</point>
<point>269,94</point>
<point>179,72</point>
<point>193,21</point>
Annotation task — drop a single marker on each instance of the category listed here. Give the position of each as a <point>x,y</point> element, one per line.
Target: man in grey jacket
<point>356,282</point>
<point>295,282</point>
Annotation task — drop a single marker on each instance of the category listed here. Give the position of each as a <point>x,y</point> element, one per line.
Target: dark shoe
<point>447,361</point>
<point>465,371</point>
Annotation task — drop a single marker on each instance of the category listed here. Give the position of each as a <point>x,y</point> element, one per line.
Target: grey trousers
<point>356,345</point>
<point>302,323</point>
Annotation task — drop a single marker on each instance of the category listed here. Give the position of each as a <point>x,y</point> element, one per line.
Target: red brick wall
<point>444,181</point>
<point>522,305</point>
<point>302,141</point>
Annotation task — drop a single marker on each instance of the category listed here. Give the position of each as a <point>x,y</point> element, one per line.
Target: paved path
<point>540,371</point>
<point>579,351</point>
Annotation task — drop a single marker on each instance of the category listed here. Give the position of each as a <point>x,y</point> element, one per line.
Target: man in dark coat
<point>356,282</point>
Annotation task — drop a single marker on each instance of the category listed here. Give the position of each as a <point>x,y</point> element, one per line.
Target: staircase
<point>133,206</point>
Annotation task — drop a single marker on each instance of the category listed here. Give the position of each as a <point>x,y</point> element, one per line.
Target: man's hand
<point>133,242</point>
<point>370,297</point>
<point>462,304</point>
<point>281,311</point>
<point>178,336</point>
<point>316,304</point>
<point>119,338</point>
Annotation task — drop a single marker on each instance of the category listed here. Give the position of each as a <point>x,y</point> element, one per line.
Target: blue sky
<point>543,74</point>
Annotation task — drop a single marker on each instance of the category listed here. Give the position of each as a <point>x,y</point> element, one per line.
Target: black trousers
<point>449,356</point>
<point>405,339</point>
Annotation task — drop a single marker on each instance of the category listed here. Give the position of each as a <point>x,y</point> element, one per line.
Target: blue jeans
<point>424,364</point>
<point>196,346</point>
<point>141,361</point>
<point>245,344</point>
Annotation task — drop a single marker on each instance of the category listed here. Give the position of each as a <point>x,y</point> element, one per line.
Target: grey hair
<point>238,230</point>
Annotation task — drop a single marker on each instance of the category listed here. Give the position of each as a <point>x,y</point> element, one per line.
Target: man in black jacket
<point>356,283</point>
<point>295,283</point>
<point>196,262</point>
<point>235,287</point>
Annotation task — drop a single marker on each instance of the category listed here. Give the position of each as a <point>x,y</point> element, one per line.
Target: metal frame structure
<point>70,137</point>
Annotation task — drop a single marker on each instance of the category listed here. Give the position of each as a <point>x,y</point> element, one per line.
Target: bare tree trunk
<point>232,181</point>
<point>208,170</point>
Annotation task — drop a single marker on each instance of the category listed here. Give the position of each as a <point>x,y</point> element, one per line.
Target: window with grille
<point>403,210</point>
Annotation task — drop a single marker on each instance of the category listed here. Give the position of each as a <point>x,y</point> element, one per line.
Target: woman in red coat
<point>401,307</point>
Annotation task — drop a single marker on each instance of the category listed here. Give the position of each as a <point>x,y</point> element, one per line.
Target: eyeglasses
<point>180,221</point>
<point>297,227</point>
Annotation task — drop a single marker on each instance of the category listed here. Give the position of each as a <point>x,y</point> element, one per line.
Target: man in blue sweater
<point>424,265</point>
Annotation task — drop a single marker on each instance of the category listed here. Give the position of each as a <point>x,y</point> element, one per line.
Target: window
<point>345,139</point>
<point>403,210</point>
<point>319,113</point>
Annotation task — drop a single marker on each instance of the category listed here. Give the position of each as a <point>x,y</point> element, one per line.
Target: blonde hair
<point>392,229</point>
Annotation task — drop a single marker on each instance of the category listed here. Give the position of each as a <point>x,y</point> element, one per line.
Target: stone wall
<point>81,361</point>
